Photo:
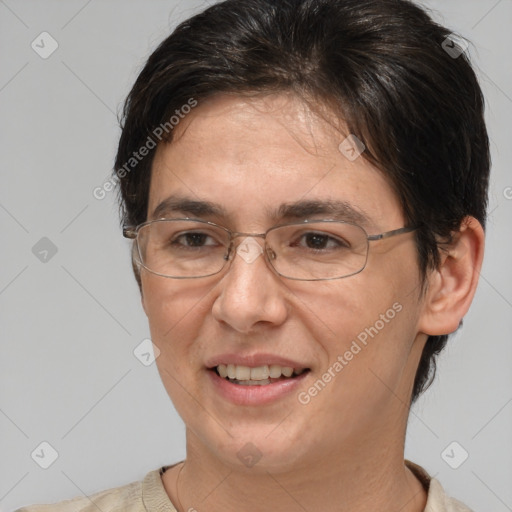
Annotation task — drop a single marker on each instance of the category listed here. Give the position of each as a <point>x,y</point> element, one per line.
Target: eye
<point>319,241</point>
<point>193,239</point>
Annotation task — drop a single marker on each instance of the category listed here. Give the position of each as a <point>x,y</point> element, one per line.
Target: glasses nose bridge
<point>238,234</point>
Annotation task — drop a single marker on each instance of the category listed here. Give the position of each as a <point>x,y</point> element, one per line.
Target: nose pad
<point>227,256</point>
<point>271,254</point>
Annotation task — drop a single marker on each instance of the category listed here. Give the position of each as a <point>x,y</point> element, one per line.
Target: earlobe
<point>452,286</point>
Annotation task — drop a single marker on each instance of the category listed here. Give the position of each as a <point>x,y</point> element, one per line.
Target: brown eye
<point>319,242</point>
<point>191,240</point>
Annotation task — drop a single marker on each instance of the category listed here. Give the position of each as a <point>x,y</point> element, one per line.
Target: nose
<point>250,293</point>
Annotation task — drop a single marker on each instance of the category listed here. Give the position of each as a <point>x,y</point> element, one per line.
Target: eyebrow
<point>299,210</point>
<point>184,205</point>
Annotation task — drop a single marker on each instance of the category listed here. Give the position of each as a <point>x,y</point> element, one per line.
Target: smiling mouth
<point>257,376</point>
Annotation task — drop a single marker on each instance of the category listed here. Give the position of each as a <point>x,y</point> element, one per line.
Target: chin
<point>260,450</point>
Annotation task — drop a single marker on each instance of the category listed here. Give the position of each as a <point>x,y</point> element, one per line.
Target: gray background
<point>69,325</point>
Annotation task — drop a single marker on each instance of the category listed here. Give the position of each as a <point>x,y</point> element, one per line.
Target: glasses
<point>306,251</point>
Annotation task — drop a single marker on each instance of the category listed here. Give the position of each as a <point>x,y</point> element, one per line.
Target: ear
<point>452,286</point>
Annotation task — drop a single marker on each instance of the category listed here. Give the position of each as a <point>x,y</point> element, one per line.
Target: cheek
<point>167,302</point>
<point>339,310</point>
<point>367,320</point>
<point>176,310</point>
<point>365,336</point>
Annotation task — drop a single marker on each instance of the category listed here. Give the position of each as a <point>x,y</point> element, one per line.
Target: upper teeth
<point>274,371</point>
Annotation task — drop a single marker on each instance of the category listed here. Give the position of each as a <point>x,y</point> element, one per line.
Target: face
<point>356,338</point>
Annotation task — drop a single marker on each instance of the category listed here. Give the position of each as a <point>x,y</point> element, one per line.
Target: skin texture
<point>344,449</point>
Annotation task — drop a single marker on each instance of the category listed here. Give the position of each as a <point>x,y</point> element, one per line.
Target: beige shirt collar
<point>155,498</point>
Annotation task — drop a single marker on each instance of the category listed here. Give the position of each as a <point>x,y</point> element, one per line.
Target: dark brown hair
<point>384,67</point>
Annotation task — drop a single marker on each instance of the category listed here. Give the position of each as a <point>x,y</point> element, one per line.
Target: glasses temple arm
<point>394,232</point>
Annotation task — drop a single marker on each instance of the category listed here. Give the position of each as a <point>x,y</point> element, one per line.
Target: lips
<point>255,379</point>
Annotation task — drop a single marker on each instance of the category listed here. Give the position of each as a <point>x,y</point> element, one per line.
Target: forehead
<point>257,156</point>
<point>261,117</point>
